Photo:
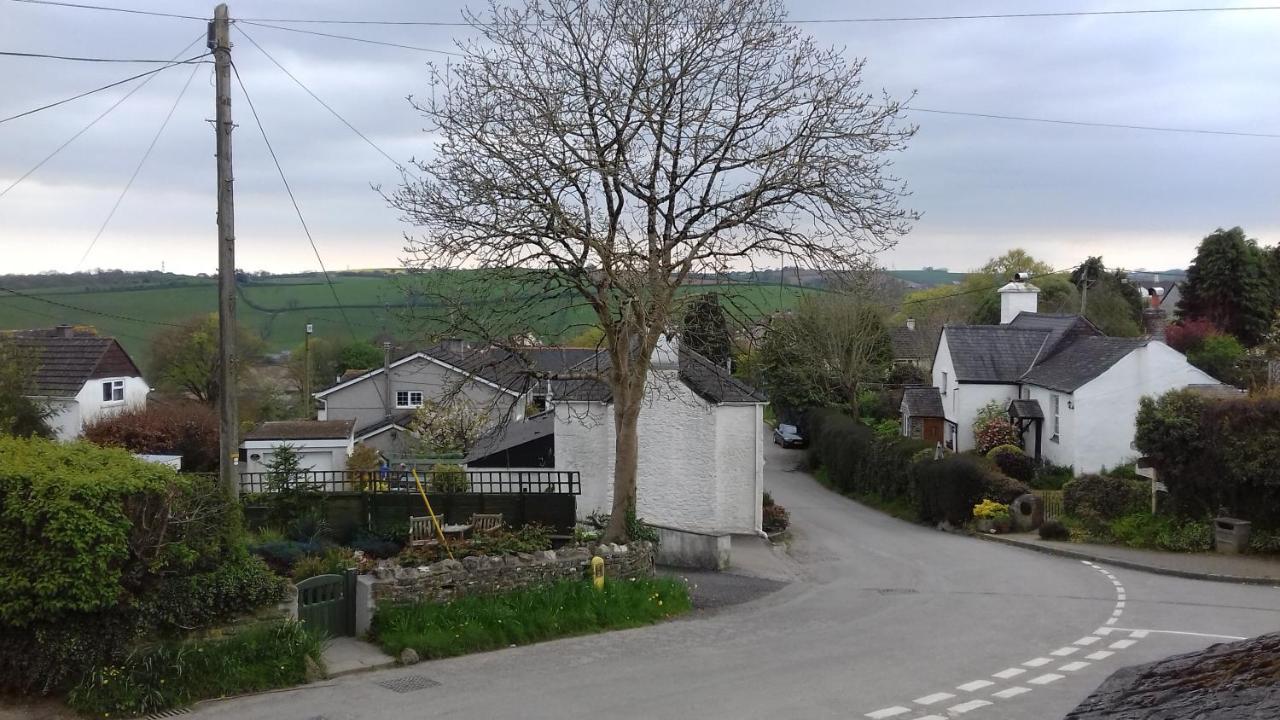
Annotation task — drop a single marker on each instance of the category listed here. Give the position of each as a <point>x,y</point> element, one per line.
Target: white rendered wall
<point>317,455</point>
<point>65,421</point>
<point>701,467</point>
<point>1107,407</point>
<point>71,415</point>
<point>1063,451</point>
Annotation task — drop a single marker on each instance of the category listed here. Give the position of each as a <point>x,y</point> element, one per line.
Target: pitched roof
<point>1026,408</point>
<point>912,343</point>
<point>400,419</point>
<point>713,383</point>
<point>993,353</point>
<point>510,435</point>
<point>302,430</point>
<point>923,402</point>
<point>1081,361</point>
<point>1063,329</point>
<point>65,364</point>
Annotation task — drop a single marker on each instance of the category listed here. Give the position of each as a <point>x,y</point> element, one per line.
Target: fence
<point>1052,503</point>
<point>505,481</point>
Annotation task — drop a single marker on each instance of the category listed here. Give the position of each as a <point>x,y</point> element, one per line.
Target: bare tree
<point>612,150</point>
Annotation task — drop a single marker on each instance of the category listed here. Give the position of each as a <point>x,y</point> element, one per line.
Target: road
<point>887,620</point>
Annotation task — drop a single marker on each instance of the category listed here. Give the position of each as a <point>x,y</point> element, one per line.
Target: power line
<point>324,104</point>
<point>138,169</point>
<point>97,90</point>
<point>68,306</point>
<point>92,122</point>
<point>1086,123</point>
<point>78,58</point>
<point>131,11</point>
<point>825,21</point>
<point>348,37</point>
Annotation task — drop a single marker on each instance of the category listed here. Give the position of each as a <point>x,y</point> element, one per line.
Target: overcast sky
<point>1140,199</point>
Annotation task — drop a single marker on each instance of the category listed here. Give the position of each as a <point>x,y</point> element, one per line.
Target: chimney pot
<point>911,323</point>
<point>65,331</point>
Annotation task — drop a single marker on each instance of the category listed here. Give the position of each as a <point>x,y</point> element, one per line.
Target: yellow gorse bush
<point>990,509</point>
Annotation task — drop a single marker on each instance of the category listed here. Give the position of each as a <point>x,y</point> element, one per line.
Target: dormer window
<point>113,391</point>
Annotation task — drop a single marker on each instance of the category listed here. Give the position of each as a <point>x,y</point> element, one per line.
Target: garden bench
<point>421,532</point>
<point>486,523</point>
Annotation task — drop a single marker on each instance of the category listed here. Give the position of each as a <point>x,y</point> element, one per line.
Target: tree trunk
<point>626,443</point>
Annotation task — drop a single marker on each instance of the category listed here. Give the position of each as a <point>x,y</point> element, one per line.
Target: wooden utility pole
<point>229,436</point>
<point>307,405</point>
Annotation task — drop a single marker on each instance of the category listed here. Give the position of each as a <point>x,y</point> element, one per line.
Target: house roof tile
<point>993,353</point>
<point>923,402</point>
<point>65,364</point>
<point>302,430</point>
<point>1081,361</point>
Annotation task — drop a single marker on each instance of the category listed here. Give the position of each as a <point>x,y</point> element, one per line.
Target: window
<point>1055,402</point>
<point>113,391</point>
<point>944,382</point>
<point>408,398</point>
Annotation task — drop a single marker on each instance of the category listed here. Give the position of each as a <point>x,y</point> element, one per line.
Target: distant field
<point>277,309</point>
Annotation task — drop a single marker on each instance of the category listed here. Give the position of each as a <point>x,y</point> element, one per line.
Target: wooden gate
<point>326,604</point>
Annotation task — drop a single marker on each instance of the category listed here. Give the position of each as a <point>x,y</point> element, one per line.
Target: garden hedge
<point>99,549</point>
<point>1099,499</point>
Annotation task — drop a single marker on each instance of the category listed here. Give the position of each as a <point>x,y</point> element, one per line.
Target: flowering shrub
<point>991,510</point>
<point>993,433</point>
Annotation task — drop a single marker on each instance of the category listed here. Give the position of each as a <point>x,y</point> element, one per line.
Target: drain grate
<point>409,683</point>
<point>168,713</point>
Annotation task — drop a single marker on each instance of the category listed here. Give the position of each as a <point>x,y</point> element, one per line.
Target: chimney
<point>1153,322</point>
<point>911,323</point>
<point>1018,296</point>
<point>65,331</point>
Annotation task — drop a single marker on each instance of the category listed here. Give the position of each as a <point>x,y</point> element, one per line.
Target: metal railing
<point>497,481</point>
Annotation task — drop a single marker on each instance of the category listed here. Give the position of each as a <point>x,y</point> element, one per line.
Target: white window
<point>1055,402</point>
<point>944,382</point>
<point>113,391</point>
<point>408,398</point>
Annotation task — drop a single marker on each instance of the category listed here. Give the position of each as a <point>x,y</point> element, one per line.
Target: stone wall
<point>484,575</point>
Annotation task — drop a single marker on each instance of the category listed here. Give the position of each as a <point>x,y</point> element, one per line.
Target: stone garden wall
<point>480,575</point>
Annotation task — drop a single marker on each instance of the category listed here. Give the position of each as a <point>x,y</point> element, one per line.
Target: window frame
<point>409,399</point>
<point>113,391</point>
<point>945,380</point>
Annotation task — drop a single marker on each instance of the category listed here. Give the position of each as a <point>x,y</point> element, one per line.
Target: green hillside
<point>277,308</point>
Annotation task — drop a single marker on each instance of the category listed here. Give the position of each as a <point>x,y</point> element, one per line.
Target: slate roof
<point>912,344</point>
<point>302,430</point>
<point>1063,329</point>
<point>993,353</point>
<point>401,418</point>
<point>67,363</point>
<point>1027,409</point>
<point>713,383</point>
<point>1081,361</point>
<point>925,402</point>
<point>510,435</point>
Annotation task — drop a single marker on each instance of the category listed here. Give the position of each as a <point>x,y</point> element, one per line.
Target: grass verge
<point>487,622</point>
<point>172,675</point>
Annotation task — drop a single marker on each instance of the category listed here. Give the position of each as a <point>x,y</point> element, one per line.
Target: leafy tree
<point>185,358</point>
<point>185,428</point>
<point>706,329</point>
<point>591,338</point>
<point>1227,284</point>
<point>1218,354</point>
<point>823,353</point>
<point>448,426</point>
<point>1014,261</point>
<point>627,146</point>
<point>1187,335</point>
<point>21,414</point>
<point>358,355</point>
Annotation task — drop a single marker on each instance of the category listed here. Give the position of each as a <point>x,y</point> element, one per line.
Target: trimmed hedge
<point>99,549</point>
<point>1013,462</point>
<point>1098,499</point>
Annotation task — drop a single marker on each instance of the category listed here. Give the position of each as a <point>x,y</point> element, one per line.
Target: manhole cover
<point>409,683</point>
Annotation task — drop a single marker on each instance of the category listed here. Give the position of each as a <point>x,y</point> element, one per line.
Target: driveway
<point>886,620</point>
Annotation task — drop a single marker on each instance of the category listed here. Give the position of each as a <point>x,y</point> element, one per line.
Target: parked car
<point>788,436</point>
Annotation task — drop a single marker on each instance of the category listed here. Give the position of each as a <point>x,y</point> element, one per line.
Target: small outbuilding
<point>321,445</point>
<point>923,416</point>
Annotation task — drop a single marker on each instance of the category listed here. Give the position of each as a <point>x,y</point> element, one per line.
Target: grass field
<point>277,309</point>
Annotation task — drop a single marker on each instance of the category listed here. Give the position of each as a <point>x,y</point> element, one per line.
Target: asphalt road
<point>888,620</point>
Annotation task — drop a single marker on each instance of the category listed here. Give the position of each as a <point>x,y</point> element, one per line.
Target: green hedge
<point>1214,453</point>
<point>1096,500</point>
<point>99,550</point>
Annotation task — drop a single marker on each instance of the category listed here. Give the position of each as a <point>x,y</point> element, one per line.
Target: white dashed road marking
<point>1100,655</point>
<point>1011,692</point>
<point>1121,644</point>
<point>1038,662</point>
<point>1064,651</point>
<point>1006,674</point>
<point>1045,679</point>
<point>975,685</point>
<point>963,708</point>
<point>1074,666</point>
<point>888,712</point>
<point>934,698</point>
<point>1091,639</point>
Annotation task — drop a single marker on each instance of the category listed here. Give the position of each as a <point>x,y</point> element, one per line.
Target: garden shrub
<point>376,547</point>
<point>1156,532</point>
<point>204,599</point>
<point>1215,453</point>
<point>776,518</point>
<point>170,675</point>
<point>992,428</point>
<point>1013,462</point>
<point>948,489</point>
<point>1051,477</point>
<point>1003,488</point>
<point>1098,499</point>
<point>532,537</point>
<point>857,460</point>
<point>1054,530</point>
<point>332,561</point>
<point>282,555</point>
<point>186,428</point>
<point>448,478</point>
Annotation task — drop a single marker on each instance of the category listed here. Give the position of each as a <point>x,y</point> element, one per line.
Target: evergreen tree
<point>1228,285</point>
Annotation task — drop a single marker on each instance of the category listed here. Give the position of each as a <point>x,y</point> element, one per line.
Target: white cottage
<point>1076,390</point>
<point>82,376</point>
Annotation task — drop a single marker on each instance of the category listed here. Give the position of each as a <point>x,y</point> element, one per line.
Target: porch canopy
<point>1024,413</point>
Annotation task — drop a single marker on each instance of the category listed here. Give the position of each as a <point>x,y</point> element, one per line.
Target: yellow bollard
<point>597,572</point>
